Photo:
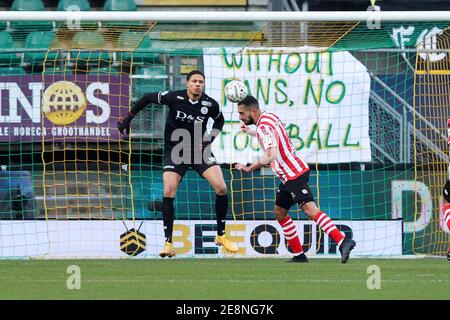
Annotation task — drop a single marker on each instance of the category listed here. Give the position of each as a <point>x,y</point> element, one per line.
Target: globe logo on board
<point>63,102</point>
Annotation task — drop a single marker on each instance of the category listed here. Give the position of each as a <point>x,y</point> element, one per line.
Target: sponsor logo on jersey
<point>304,191</point>
<point>204,110</point>
<point>188,117</point>
<point>180,97</point>
<point>206,103</point>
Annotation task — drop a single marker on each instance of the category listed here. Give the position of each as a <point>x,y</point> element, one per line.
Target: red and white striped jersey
<point>271,132</point>
<point>448,131</point>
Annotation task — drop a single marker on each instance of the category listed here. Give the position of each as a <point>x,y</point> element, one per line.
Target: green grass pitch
<point>225,279</point>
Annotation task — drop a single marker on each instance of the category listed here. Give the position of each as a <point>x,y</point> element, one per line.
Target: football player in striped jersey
<point>446,192</point>
<point>293,172</point>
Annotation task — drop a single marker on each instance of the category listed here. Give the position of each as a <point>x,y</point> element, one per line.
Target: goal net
<point>364,104</point>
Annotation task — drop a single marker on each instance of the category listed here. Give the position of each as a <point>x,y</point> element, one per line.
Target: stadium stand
<point>30,5</point>
<point>89,40</point>
<point>120,5</point>
<point>67,5</point>
<point>7,43</point>
<point>191,3</point>
<point>143,53</point>
<point>149,79</point>
<point>11,71</point>
<point>103,71</point>
<point>39,40</point>
<point>57,71</point>
<point>27,5</point>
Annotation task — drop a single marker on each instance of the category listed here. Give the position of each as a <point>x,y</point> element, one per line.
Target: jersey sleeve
<point>216,111</point>
<point>166,97</point>
<point>267,136</point>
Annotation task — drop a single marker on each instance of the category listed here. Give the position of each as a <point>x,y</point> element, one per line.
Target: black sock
<point>168,217</point>
<point>221,213</point>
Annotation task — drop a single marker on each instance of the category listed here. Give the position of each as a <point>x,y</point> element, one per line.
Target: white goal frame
<point>400,16</point>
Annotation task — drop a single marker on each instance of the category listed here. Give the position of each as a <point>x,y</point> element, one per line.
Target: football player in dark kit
<point>187,143</point>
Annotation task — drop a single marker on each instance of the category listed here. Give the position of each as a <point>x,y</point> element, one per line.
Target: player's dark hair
<point>249,101</point>
<point>190,74</point>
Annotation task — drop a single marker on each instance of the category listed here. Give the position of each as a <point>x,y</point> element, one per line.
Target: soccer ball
<point>236,91</point>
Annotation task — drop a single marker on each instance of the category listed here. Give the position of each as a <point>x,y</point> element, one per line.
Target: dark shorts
<point>446,191</point>
<point>196,162</point>
<point>294,191</point>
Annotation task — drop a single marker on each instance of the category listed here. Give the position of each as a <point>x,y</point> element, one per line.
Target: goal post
<point>363,95</point>
<point>432,101</point>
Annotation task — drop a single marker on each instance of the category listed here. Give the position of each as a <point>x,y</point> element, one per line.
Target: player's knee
<point>280,213</point>
<point>310,209</point>
<point>170,192</point>
<point>221,190</point>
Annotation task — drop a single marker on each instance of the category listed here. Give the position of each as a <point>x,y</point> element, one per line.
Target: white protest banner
<point>321,97</point>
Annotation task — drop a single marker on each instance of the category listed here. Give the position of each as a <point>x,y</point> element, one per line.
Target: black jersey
<point>187,114</point>
<point>192,116</point>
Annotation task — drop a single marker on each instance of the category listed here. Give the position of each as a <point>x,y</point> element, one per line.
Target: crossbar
<point>196,16</point>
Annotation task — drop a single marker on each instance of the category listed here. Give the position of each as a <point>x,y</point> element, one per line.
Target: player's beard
<point>250,121</point>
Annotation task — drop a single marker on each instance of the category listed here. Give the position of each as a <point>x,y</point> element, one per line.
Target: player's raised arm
<point>269,156</point>
<point>161,97</point>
